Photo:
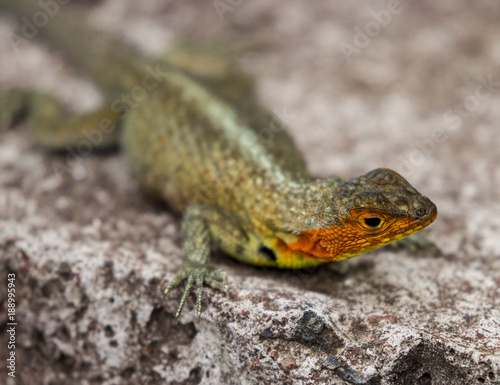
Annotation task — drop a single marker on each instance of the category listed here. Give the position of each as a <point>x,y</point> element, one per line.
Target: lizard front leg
<point>203,226</point>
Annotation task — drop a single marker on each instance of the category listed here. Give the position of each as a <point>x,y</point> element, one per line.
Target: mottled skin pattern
<point>194,136</point>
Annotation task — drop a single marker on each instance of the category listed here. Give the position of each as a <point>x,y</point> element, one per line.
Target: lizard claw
<point>197,276</point>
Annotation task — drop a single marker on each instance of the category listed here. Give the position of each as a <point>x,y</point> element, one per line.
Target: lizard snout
<point>426,213</point>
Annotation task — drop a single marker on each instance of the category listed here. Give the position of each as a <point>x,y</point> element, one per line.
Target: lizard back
<point>191,144</point>
<point>186,139</point>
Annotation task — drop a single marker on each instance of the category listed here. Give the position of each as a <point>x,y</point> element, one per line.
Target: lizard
<point>197,140</point>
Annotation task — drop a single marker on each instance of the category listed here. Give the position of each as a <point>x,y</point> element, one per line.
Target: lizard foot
<point>196,275</point>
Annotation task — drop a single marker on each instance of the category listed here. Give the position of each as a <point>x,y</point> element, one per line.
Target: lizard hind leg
<point>53,128</point>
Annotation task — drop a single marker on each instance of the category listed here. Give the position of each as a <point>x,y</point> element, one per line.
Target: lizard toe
<point>177,280</point>
<point>187,290</point>
<point>197,277</point>
<point>219,274</point>
<point>212,281</point>
<point>199,296</point>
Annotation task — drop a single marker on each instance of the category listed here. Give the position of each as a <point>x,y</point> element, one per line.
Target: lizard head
<point>370,211</point>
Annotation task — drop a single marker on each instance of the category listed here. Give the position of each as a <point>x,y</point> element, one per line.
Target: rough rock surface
<point>417,93</point>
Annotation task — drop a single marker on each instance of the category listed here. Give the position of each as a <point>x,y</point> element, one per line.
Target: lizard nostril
<point>420,212</point>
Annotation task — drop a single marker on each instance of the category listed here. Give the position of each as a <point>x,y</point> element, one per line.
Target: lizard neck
<point>292,207</point>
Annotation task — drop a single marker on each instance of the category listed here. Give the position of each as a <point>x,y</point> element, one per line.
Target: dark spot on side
<point>268,253</point>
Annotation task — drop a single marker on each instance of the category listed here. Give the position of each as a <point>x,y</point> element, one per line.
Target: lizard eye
<point>368,219</point>
<point>373,222</point>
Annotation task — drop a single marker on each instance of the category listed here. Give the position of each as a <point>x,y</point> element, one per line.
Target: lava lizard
<point>197,138</point>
